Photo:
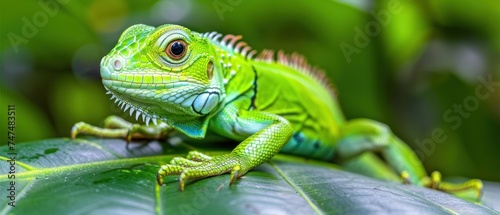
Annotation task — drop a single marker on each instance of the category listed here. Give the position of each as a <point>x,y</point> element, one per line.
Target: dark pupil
<point>177,48</point>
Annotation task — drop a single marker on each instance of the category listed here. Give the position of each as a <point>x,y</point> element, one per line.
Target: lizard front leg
<point>116,127</point>
<point>253,151</point>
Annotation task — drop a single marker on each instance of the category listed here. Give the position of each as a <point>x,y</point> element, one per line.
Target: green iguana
<point>191,82</point>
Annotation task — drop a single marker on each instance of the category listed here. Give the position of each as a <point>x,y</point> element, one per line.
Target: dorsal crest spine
<point>294,60</point>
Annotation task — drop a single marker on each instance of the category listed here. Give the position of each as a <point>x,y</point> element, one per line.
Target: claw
<point>478,185</point>
<point>131,132</point>
<point>159,179</point>
<point>234,174</point>
<point>73,132</point>
<point>129,136</point>
<point>436,179</point>
<point>181,181</point>
<point>406,177</point>
<point>75,129</point>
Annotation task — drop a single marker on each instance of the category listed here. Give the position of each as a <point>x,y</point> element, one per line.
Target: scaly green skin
<point>216,84</point>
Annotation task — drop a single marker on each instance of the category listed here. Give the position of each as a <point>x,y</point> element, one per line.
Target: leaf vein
<point>296,188</point>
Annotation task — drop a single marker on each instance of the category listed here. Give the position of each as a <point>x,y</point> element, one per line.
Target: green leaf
<point>99,176</point>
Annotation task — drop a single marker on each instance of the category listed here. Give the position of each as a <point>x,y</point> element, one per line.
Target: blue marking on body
<point>300,144</point>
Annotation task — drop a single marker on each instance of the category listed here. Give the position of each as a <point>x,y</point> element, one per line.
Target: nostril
<point>117,64</point>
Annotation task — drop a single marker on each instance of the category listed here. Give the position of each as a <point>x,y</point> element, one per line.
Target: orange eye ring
<point>176,49</point>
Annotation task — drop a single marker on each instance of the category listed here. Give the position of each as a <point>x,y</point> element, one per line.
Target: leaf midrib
<point>296,188</point>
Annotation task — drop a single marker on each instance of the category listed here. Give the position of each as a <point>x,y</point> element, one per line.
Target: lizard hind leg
<point>363,135</point>
<point>405,161</point>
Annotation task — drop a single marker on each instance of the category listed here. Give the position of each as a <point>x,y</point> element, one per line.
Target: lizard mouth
<point>200,103</point>
<point>124,105</point>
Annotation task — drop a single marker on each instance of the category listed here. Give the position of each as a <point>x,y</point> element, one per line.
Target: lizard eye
<point>176,49</point>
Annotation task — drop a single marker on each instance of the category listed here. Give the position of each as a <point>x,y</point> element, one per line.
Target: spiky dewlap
<point>138,112</point>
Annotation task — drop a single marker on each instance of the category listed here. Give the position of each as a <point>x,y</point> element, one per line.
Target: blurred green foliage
<point>409,63</point>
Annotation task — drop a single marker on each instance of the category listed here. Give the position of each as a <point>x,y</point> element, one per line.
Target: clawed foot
<point>435,182</point>
<point>197,165</point>
<point>116,127</point>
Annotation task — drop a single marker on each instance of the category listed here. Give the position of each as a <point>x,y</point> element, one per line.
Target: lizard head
<point>166,73</point>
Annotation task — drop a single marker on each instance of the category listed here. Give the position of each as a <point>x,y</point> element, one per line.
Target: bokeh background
<point>414,65</point>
